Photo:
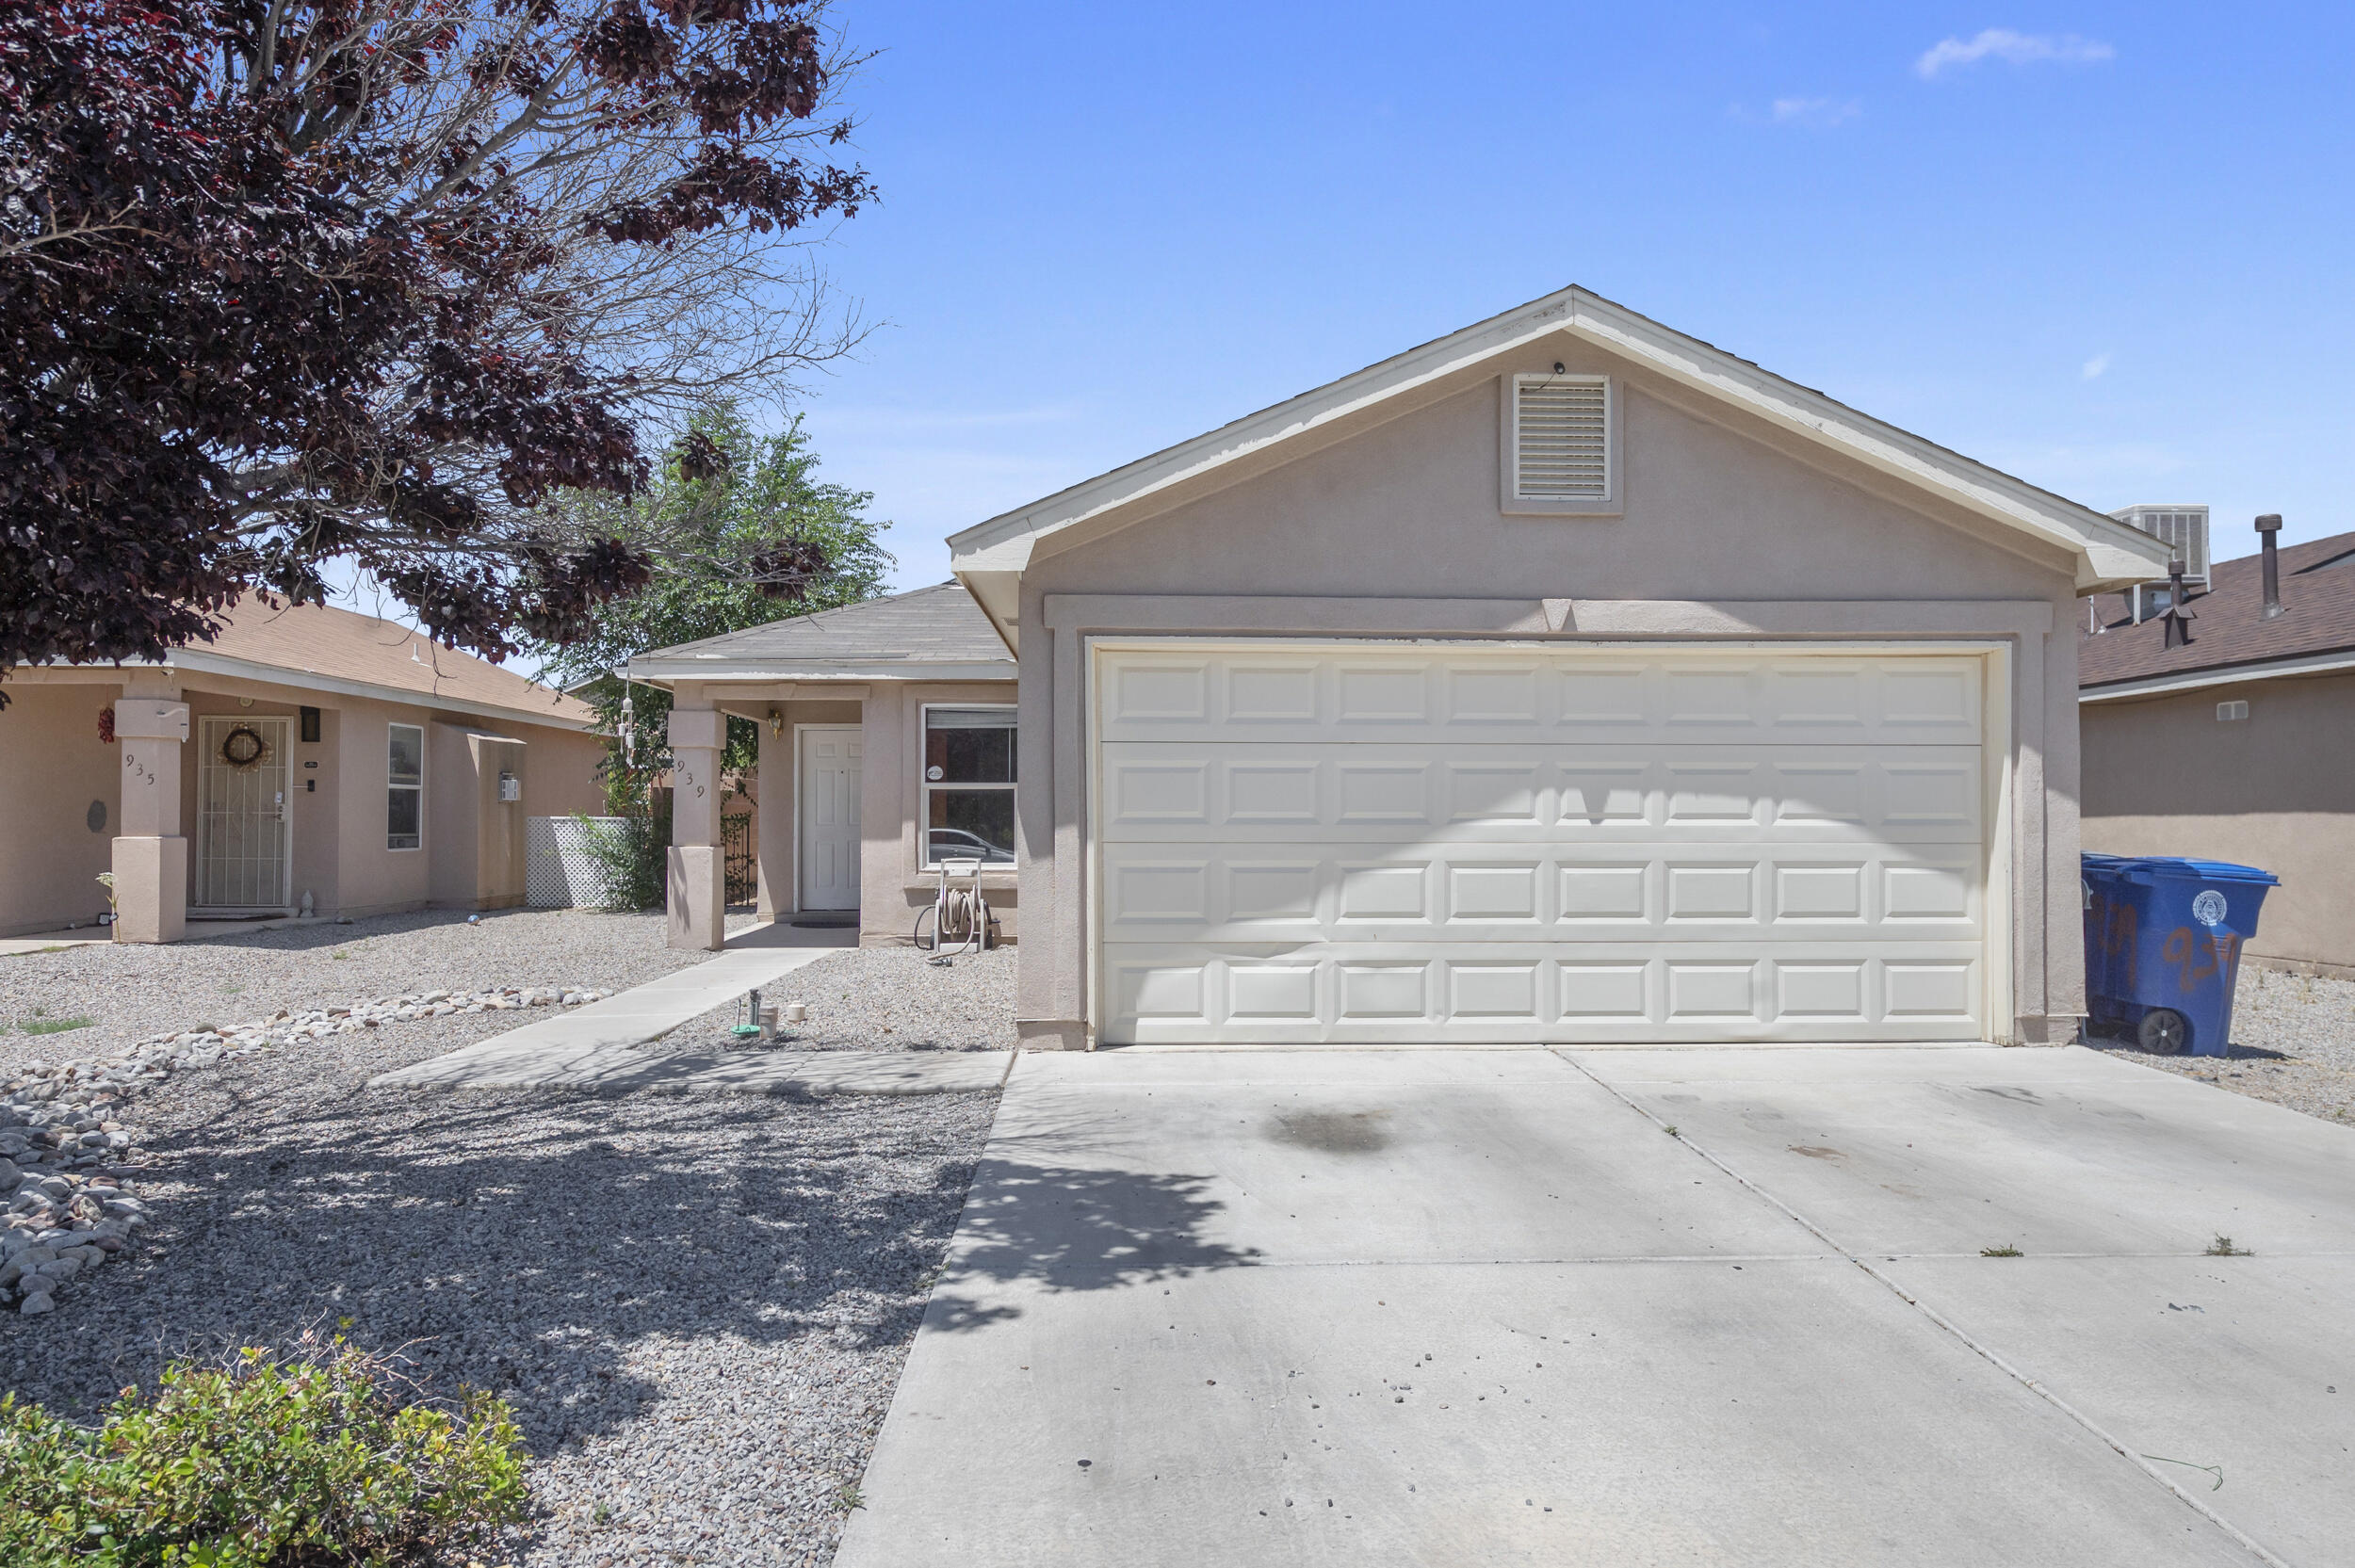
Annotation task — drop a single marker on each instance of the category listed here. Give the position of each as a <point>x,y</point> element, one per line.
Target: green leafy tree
<point>724,495</point>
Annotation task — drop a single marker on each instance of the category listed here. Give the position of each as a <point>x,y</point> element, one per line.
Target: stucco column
<point>151,856</point>
<point>774,847</point>
<point>698,870</point>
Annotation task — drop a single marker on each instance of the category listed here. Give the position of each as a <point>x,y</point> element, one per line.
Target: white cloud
<point>1814,111</point>
<point>2095,366</point>
<point>2002,43</point>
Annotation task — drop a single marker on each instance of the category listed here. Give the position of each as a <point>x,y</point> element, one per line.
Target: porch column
<point>151,856</point>
<point>773,846</point>
<point>698,884</point>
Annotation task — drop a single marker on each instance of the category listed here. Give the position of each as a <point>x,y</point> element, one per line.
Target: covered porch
<point>886,741</point>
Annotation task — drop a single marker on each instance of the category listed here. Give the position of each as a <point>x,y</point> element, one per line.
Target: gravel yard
<point>698,1306</point>
<point>877,999</point>
<point>132,991</point>
<point>2293,1043</point>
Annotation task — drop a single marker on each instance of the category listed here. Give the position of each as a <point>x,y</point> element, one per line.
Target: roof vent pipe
<point>2177,618</point>
<point>2267,526</point>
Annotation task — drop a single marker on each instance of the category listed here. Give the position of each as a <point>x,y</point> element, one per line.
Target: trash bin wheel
<point>2162,1032</point>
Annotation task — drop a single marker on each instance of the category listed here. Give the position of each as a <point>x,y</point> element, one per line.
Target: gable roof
<point>2230,638</point>
<point>325,649</point>
<point>989,557</point>
<point>929,634</point>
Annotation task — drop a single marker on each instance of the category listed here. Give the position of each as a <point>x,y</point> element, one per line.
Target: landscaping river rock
<point>67,1155</point>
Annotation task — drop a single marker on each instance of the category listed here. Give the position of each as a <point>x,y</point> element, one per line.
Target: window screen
<point>968,784</point>
<point>404,794</point>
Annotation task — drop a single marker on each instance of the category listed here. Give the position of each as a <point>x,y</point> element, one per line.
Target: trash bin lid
<point>2188,869</point>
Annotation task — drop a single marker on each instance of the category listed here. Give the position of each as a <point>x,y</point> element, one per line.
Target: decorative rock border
<point>69,1207</point>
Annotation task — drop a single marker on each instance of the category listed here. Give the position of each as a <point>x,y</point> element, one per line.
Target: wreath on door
<point>243,746</point>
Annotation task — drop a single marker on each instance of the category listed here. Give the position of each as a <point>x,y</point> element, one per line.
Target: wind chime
<point>628,726</point>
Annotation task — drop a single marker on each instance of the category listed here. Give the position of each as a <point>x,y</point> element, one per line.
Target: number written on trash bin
<point>2120,926</point>
<point>2197,958</point>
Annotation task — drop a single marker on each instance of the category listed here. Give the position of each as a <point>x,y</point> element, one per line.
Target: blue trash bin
<point>2163,945</point>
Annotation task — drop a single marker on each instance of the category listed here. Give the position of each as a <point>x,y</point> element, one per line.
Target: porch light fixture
<point>776,723</point>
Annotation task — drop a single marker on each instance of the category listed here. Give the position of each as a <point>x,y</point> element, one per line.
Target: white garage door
<point>1420,842</point>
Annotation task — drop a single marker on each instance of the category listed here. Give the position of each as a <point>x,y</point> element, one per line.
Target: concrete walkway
<point>1625,1308</point>
<point>597,1046</point>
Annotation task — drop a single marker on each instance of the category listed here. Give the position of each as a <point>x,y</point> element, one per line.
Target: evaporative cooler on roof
<point>2186,530</point>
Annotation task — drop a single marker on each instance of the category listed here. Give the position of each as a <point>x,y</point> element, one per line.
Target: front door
<point>828,809</point>
<point>244,845</point>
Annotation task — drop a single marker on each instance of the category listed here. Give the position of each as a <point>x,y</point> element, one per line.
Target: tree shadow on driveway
<point>1065,1227</point>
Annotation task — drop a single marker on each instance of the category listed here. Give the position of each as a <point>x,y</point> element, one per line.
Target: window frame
<point>924,787</point>
<point>1611,503</point>
<point>392,786</point>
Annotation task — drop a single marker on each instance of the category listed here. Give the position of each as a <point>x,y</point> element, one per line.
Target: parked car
<point>956,843</point>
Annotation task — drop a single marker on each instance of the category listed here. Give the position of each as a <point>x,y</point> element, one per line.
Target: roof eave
<point>668,673</point>
<point>2326,661</point>
<point>204,662</point>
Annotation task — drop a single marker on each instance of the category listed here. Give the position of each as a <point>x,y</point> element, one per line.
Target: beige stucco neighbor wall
<point>53,770</point>
<point>2277,790</point>
<point>53,767</point>
<point>1397,526</point>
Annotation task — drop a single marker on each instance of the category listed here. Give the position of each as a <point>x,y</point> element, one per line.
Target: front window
<point>404,794</point>
<point>969,786</point>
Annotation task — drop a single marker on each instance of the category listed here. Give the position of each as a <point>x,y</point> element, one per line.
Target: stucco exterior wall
<point>892,884</point>
<point>2277,790</point>
<point>1399,525</point>
<point>52,769</point>
<point>53,766</point>
<point>560,769</point>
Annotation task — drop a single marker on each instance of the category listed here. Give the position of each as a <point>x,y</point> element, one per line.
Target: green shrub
<point>303,1463</point>
<point>633,859</point>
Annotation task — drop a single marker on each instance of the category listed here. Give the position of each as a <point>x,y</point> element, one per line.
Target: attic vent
<point>1561,438</point>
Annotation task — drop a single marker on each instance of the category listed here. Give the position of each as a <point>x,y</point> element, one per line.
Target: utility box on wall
<point>511,789</point>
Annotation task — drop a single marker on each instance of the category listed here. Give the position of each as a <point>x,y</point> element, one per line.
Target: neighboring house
<point>1564,679</point>
<point>858,708</point>
<point>2239,746</point>
<point>306,756</point>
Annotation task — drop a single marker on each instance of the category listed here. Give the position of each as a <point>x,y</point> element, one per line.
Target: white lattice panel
<point>559,870</point>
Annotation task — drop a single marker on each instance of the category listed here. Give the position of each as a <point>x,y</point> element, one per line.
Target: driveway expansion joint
<point>1951,1329</point>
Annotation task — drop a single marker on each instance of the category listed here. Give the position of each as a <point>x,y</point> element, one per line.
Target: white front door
<point>1432,843</point>
<point>243,830</point>
<point>828,809</point>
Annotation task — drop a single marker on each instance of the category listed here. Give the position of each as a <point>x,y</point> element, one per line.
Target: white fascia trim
<point>665,672</point>
<point>198,662</point>
<point>2109,552</point>
<point>2231,674</point>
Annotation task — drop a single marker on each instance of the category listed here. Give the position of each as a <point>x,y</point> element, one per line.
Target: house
<point>1564,679</point>
<point>2239,745</point>
<point>892,718</point>
<point>306,759</point>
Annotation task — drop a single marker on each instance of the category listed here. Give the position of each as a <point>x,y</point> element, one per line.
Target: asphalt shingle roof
<point>940,624</point>
<point>341,644</point>
<point>2319,617</point>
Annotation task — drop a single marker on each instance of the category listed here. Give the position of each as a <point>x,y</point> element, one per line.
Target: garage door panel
<point>1588,697</point>
<point>1434,843</point>
<point>1476,893</point>
<point>1594,992</point>
<point>1429,792</point>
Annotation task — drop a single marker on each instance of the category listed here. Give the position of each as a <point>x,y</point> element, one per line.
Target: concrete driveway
<point>1632,1308</point>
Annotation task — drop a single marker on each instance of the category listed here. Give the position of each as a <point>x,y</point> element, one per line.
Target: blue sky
<point>2103,247</point>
